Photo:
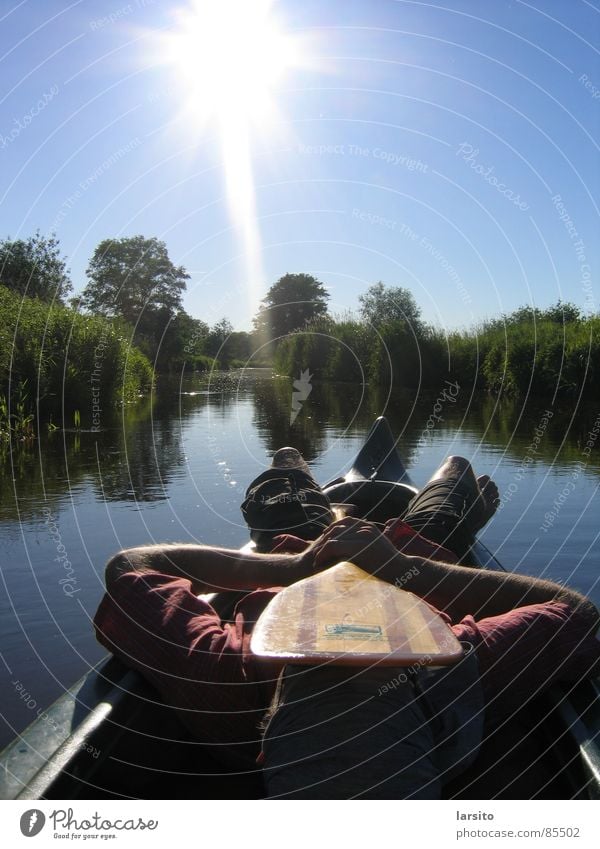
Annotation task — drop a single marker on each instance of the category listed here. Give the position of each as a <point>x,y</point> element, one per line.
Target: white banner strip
<point>302,824</point>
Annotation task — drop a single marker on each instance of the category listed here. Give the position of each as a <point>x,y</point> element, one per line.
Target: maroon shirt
<point>203,667</point>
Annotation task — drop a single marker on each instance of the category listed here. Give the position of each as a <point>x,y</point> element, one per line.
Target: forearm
<point>461,590</point>
<point>210,569</point>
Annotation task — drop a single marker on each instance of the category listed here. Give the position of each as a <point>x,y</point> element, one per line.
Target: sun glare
<point>228,57</point>
<point>230,54</point>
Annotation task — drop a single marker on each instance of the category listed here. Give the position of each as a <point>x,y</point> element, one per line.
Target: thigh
<point>349,735</point>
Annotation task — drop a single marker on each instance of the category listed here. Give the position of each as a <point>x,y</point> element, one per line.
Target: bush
<point>62,356</point>
<point>530,351</point>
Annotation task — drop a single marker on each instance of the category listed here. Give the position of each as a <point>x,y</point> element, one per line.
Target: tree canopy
<point>34,267</point>
<point>132,276</point>
<point>290,303</point>
<point>385,304</point>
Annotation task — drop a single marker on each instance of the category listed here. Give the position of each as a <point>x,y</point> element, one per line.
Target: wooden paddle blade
<point>347,617</point>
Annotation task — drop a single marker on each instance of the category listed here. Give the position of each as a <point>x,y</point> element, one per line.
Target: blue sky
<point>450,148</point>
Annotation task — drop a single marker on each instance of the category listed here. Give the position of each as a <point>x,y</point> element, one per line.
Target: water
<point>176,468</point>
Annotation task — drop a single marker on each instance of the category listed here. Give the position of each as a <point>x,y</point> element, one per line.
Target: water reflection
<point>510,426</point>
<point>139,454</point>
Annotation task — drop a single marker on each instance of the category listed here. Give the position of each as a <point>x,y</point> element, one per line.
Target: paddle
<point>347,617</point>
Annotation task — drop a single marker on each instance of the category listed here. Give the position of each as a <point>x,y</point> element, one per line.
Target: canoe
<point>111,737</point>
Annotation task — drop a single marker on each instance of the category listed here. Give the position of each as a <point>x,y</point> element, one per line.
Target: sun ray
<point>229,56</point>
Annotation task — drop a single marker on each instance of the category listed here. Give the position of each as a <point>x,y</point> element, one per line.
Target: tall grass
<point>551,353</point>
<point>59,355</point>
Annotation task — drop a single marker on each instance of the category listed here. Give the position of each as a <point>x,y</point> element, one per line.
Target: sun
<point>229,56</point>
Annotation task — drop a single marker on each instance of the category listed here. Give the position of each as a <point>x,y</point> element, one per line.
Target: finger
<point>348,526</point>
<point>330,553</point>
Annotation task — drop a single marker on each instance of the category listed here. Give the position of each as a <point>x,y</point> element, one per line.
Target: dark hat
<point>289,458</point>
<point>286,499</point>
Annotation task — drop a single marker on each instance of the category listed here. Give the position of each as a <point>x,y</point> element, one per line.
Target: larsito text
<point>478,815</point>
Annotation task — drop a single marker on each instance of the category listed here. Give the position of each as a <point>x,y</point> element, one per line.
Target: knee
<point>457,462</point>
<point>456,458</point>
<point>118,565</point>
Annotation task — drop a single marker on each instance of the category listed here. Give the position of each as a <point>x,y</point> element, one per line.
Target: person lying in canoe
<point>285,508</point>
<point>331,733</point>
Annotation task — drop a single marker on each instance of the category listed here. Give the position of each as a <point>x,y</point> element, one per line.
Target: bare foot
<point>489,500</point>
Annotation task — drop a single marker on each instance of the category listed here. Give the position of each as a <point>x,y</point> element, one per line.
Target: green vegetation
<point>17,424</point>
<point>35,268</point>
<point>54,362</point>
<point>57,363</point>
<point>292,301</point>
<point>531,351</point>
<point>133,279</point>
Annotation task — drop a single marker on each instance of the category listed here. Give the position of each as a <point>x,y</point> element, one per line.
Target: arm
<point>458,590</point>
<point>461,590</point>
<point>211,569</point>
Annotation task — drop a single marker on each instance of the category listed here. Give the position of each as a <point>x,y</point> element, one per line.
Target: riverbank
<point>59,367</point>
<point>554,353</point>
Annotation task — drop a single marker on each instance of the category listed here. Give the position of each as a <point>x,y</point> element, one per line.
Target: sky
<point>450,148</point>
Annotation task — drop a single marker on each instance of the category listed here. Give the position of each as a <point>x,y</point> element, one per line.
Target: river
<point>176,466</point>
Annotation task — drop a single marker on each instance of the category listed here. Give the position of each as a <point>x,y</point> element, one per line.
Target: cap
<point>289,458</point>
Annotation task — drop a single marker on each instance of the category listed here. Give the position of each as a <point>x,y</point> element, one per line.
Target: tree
<point>132,277</point>
<point>562,312</point>
<point>216,343</point>
<point>35,268</point>
<point>386,304</point>
<point>182,343</point>
<point>290,303</point>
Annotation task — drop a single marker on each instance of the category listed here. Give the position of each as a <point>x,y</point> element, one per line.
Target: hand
<point>355,540</point>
